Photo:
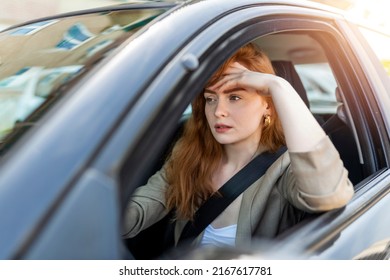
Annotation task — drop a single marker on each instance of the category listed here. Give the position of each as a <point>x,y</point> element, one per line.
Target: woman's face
<point>235,116</point>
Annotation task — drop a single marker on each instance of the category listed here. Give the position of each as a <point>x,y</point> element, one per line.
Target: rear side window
<point>38,59</point>
<point>320,85</point>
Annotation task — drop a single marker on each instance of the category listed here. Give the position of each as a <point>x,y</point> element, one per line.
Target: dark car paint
<point>104,148</point>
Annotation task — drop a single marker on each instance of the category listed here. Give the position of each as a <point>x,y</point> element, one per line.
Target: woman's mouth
<point>221,128</point>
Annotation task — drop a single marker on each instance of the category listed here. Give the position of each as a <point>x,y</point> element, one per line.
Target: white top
<point>220,237</point>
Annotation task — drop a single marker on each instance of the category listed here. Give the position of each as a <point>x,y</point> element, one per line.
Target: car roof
<point>172,3</point>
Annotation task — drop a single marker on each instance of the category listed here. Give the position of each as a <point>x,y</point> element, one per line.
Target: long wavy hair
<point>197,155</point>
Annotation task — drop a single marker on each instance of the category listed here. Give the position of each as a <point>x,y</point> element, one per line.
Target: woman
<point>244,111</point>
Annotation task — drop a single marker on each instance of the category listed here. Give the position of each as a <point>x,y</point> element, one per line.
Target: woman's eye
<point>234,98</point>
<point>210,99</point>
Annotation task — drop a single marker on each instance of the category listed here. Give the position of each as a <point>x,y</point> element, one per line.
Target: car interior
<point>288,53</point>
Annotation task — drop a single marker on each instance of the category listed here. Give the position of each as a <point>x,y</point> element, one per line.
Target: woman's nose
<point>221,109</point>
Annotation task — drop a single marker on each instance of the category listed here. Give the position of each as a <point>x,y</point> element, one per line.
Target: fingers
<point>227,81</point>
<point>236,68</point>
<point>231,77</point>
<point>236,75</point>
<point>237,65</point>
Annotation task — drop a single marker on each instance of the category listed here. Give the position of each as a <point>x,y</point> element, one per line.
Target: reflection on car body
<point>90,102</point>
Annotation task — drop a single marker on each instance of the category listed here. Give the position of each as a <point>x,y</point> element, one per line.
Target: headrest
<point>286,70</point>
<point>341,113</point>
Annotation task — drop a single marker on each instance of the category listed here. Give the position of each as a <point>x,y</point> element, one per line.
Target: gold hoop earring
<point>267,120</point>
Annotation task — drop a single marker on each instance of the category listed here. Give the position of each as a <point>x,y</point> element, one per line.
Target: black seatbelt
<point>218,202</point>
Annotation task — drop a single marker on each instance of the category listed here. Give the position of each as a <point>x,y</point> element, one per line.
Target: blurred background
<point>17,11</point>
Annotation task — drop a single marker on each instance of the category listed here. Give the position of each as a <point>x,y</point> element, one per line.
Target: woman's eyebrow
<point>209,91</point>
<point>206,90</point>
<point>234,89</point>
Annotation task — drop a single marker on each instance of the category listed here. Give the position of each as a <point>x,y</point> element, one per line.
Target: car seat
<point>339,128</point>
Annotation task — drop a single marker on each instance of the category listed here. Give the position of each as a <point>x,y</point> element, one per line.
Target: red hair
<point>197,155</point>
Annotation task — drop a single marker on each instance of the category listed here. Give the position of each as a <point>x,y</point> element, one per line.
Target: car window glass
<point>320,85</point>
<point>37,59</point>
<point>380,43</point>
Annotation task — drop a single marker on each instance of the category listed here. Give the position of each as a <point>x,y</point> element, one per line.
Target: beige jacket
<point>314,181</point>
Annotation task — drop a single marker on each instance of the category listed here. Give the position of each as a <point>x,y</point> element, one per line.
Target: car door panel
<point>85,225</point>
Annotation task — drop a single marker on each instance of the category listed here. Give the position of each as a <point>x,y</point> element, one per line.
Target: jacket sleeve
<point>146,206</point>
<point>317,181</point>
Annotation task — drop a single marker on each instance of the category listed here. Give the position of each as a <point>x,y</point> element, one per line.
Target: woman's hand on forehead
<point>238,76</point>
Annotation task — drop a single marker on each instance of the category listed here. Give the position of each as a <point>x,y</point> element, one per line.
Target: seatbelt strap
<point>218,202</point>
